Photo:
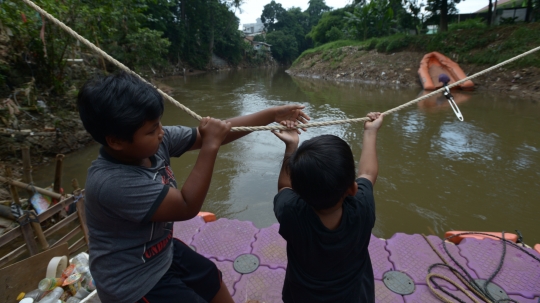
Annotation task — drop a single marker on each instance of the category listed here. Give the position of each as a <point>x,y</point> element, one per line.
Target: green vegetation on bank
<point>142,34</point>
<point>467,43</point>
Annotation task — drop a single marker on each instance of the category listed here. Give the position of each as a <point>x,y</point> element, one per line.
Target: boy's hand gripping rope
<point>268,127</point>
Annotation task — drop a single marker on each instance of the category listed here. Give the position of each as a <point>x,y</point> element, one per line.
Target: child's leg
<point>223,295</point>
<point>200,274</point>
<point>191,278</point>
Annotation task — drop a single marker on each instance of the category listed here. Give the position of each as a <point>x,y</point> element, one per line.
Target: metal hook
<point>453,104</point>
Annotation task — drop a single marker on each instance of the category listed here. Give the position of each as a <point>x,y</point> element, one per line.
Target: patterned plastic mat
<point>224,240</point>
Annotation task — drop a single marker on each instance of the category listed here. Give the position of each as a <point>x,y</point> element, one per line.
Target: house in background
<point>257,45</point>
<point>253,29</point>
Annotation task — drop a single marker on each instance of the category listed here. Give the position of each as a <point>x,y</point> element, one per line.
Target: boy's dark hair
<point>321,170</point>
<point>117,105</point>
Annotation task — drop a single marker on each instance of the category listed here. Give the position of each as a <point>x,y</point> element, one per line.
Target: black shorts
<point>191,278</point>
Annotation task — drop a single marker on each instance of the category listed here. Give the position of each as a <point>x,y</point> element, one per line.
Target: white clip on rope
<point>453,104</point>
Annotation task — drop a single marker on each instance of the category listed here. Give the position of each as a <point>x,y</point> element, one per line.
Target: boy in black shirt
<point>326,217</point>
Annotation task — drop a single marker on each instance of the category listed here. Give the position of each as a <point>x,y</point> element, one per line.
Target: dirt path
<point>400,69</point>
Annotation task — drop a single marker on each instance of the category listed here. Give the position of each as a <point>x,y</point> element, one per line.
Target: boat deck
<point>224,240</point>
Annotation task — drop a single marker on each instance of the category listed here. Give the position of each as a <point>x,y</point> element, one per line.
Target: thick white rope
<point>268,127</point>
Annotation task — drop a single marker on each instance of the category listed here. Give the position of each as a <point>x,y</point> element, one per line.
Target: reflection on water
<point>436,173</point>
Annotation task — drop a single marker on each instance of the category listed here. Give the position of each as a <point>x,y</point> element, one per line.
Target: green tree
<point>335,18</point>
<point>284,47</point>
<point>373,19</point>
<point>315,11</point>
<point>271,14</point>
<point>441,9</point>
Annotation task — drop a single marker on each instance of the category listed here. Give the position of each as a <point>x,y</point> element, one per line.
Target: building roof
<point>502,4</point>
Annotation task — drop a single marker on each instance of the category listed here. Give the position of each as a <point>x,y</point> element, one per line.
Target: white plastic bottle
<point>53,296</point>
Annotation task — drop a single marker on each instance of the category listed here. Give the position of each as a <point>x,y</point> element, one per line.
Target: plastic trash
<point>35,294</point>
<point>53,296</point>
<point>81,294</point>
<point>39,203</point>
<point>41,104</point>
<point>50,283</point>
<point>73,300</point>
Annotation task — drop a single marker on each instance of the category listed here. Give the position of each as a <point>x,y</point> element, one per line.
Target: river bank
<point>354,64</point>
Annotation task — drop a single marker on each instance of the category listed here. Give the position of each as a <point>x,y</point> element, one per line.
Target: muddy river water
<point>435,172</point>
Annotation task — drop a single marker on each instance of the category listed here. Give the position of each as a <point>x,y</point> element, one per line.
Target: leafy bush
<point>334,34</point>
<point>371,43</point>
<point>382,45</point>
<point>467,24</point>
<point>397,43</point>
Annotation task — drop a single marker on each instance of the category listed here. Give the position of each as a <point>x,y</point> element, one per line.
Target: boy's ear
<point>353,189</point>
<point>115,143</point>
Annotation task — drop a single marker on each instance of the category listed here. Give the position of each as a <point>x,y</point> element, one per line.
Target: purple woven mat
<point>225,239</point>
<point>379,257</point>
<point>263,285</point>
<point>185,230</point>
<point>521,299</point>
<point>270,247</point>
<point>412,255</point>
<point>423,294</point>
<point>519,275</point>
<point>385,295</point>
<point>229,275</point>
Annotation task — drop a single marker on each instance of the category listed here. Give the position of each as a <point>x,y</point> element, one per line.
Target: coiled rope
<point>268,127</point>
<point>480,291</point>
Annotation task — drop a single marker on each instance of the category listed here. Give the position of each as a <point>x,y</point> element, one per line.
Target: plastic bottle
<point>73,300</point>
<point>50,283</point>
<point>91,285</point>
<point>35,294</point>
<point>82,293</point>
<point>53,296</point>
<point>27,300</point>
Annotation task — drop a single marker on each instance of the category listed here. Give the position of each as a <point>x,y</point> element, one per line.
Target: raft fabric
<point>128,253</point>
<point>327,265</point>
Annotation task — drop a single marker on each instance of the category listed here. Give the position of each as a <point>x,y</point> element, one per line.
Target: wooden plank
<point>60,224</point>
<point>25,275</point>
<point>82,219</point>
<point>77,245</point>
<point>10,235</point>
<point>68,236</point>
<point>28,235</point>
<point>12,255</point>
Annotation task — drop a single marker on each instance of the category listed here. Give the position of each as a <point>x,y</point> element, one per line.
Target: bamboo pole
<point>40,190</point>
<point>27,169</point>
<point>58,173</point>
<point>13,189</point>
<point>38,231</point>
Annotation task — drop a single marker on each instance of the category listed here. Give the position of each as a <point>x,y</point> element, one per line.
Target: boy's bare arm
<point>368,166</point>
<point>290,113</point>
<point>291,139</point>
<point>184,204</point>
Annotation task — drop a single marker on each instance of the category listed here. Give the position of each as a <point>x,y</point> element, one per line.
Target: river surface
<point>435,172</point>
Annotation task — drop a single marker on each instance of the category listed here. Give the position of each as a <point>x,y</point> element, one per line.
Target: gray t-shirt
<point>128,253</point>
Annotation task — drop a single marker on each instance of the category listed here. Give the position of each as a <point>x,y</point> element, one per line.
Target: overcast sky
<point>252,9</point>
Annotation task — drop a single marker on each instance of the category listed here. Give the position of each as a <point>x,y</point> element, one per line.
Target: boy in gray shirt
<point>132,196</point>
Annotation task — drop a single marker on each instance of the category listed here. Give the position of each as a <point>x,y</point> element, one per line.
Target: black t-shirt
<point>327,265</point>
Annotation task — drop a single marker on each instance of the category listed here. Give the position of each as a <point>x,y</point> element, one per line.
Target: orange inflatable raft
<point>456,237</point>
<point>433,65</point>
<point>207,217</point>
